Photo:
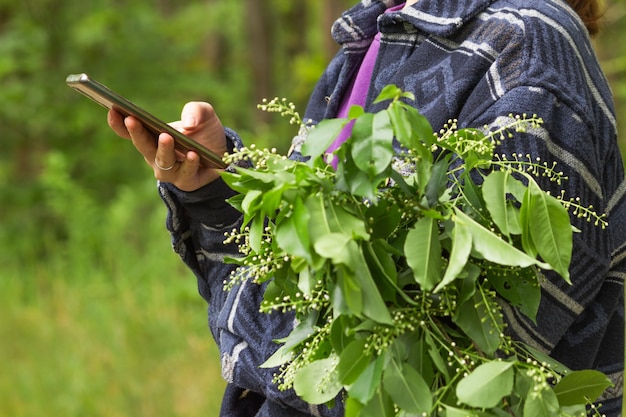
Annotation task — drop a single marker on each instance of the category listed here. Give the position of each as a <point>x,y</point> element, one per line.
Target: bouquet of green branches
<point>394,265</point>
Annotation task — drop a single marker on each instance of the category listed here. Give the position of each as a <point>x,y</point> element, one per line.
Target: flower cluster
<point>282,107</point>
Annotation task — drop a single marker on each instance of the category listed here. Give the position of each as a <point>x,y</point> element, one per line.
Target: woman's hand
<point>198,121</point>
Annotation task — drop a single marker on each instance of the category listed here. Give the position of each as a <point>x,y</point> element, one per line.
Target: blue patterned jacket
<point>477,61</point>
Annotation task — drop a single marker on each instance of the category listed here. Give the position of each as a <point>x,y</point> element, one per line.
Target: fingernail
<point>189,121</point>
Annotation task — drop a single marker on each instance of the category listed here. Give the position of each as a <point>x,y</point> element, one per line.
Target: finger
<point>192,115</point>
<point>177,125</point>
<point>200,122</point>
<point>195,115</point>
<point>189,167</point>
<point>142,139</point>
<point>165,155</point>
<point>191,175</point>
<point>116,123</point>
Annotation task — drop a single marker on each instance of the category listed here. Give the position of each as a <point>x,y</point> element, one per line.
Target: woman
<point>477,61</point>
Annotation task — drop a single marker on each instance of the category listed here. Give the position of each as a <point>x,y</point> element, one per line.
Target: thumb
<point>196,113</point>
<point>190,115</point>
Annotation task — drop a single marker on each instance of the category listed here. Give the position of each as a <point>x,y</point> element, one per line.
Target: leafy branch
<point>396,262</point>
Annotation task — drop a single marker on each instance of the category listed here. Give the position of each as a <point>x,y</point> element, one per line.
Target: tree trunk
<point>260,34</point>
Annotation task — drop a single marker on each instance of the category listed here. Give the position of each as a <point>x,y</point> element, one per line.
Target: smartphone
<point>111,100</point>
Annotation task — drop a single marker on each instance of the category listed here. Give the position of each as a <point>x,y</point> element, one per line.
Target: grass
<point>107,350</point>
<point>98,317</point>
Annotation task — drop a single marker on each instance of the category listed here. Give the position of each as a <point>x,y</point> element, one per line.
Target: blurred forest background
<point>97,315</point>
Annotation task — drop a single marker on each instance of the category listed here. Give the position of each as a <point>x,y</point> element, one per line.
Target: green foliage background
<point>97,316</point>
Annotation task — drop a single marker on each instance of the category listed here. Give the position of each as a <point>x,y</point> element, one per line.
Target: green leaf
<point>492,247</point>
<point>461,248</point>
<point>236,201</point>
<point>524,383</point>
<point>353,362</point>
<point>251,200</point>
<point>299,334</point>
<point>436,357</point>
<point>389,92</point>
<point>401,125</point>
<point>423,174</point>
<point>541,403</point>
<point>348,293</point>
<point>322,136</point>
<point>544,358</point>
<point>407,388</point>
<point>437,183</point>
<point>304,330</point>
<point>317,382</point>
<point>476,319</point>
<point>351,180</point>
<point>355,111</point>
<point>458,412</point>
<point>526,215</point>
<point>254,180</point>
<point>358,288</point>
<point>550,229</point>
<point>374,306</point>
<point>272,200</point>
<point>414,132</point>
<point>339,333</point>
<point>380,405</point>
<point>513,218</point>
<point>574,410</point>
<point>466,284</point>
<point>495,191</point>
<point>353,407</point>
<point>518,286</point>
<point>307,280</point>
<point>366,385</point>
<point>330,217</point>
<point>417,354</point>
<point>292,233</point>
<point>411,129</point>
<point>486,385</point>
<point>423,253</point>
<point>383,265</point>
<point>251,179</point>
<point>475,203</point>
<point>579,386</point>
<point>386,217</point>
<point>286,280</point>
<point>278,358</point>
<point>338,247</point>
<point>422,130</point>
<point>383,270</point>
<point>372,143</point>
<point>255,234</point>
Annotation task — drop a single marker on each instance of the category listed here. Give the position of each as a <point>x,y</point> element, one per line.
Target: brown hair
<point>590,12</point>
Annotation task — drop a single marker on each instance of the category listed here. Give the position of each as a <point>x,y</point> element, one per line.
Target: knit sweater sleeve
<point>197,222</point>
